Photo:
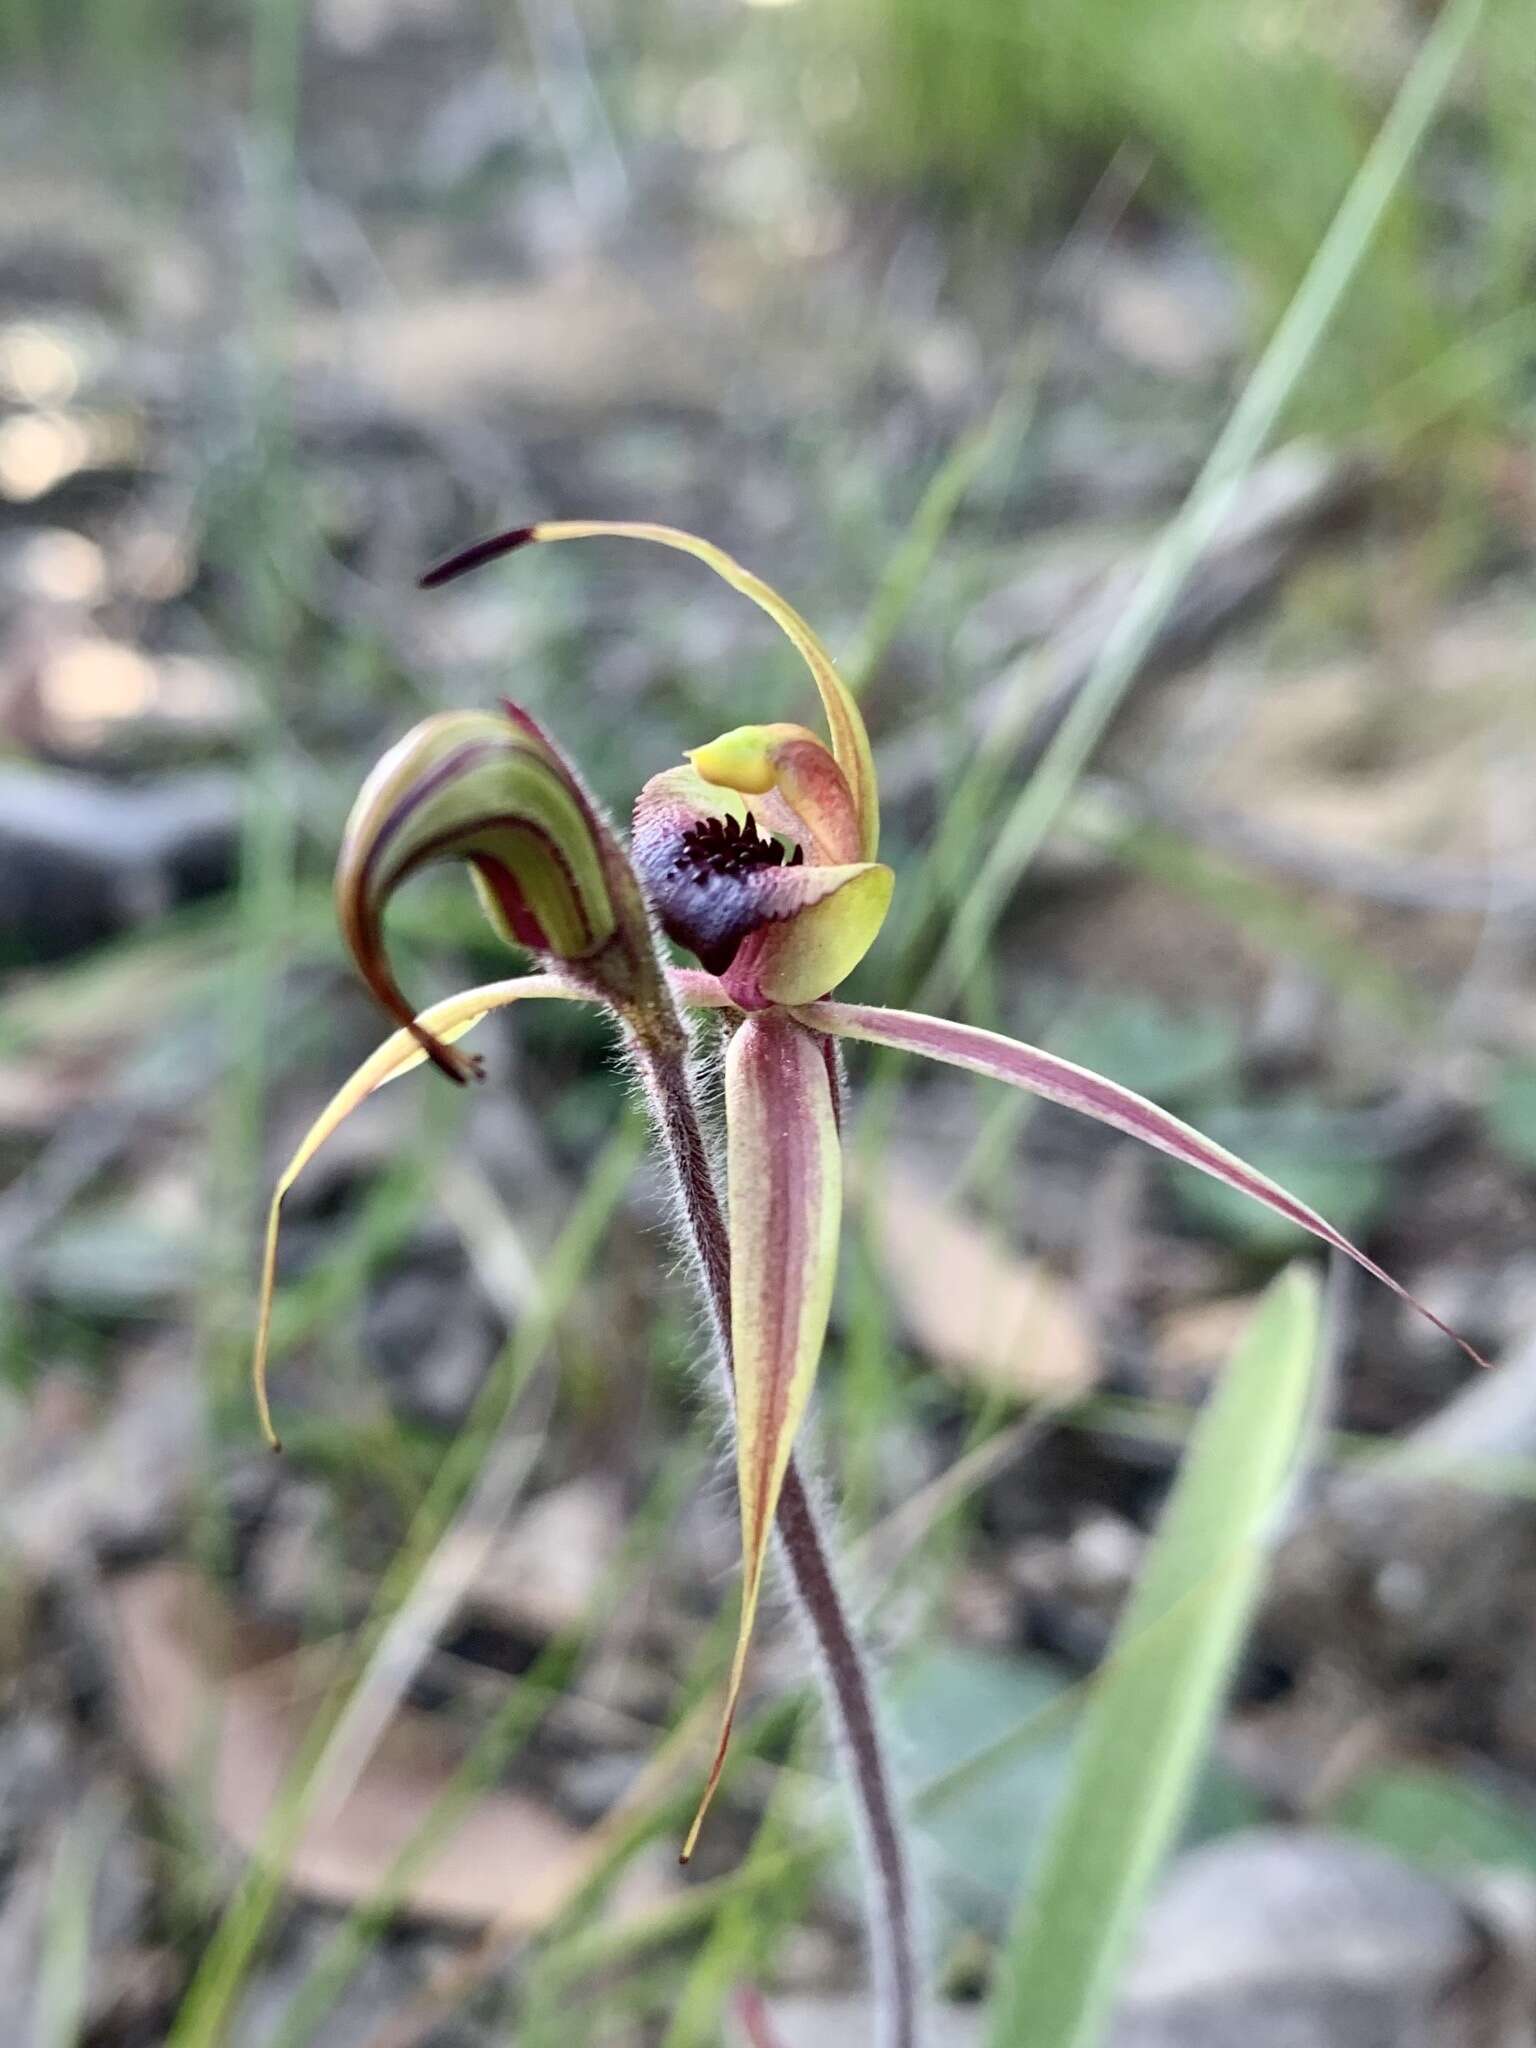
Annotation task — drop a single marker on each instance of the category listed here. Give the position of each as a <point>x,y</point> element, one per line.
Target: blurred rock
<point>543,1574</point>
<point>125,1985</point>
<point>112,1265</point>
<point>35,1775</point>
<point>1286,1938</point>
<point>1295,1938</point>
<point>580,338</point>
<point>357,25</point>
<point>114,1480</point>
<point>82,859</point>
<point>93,702</point>
<point>432,1336</point>
<point>1171,310</point>
<point>289,1558</point>
<point>1401,1598</point>
<point>838,2022</point>
<point>387,1977</point>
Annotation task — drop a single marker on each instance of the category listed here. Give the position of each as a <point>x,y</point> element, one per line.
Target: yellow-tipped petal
<point>850,741</point>
<point>723,888</point>
<point>784,1167</point>
<point>445,1022</point>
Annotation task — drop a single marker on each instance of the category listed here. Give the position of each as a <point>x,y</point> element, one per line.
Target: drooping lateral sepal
<point>492,790</point>
<point>784,1194</point>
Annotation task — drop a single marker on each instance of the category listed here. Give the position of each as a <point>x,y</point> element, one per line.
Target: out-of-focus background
<point>930,310</point>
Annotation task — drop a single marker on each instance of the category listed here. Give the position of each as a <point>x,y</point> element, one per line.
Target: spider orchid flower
<point>758,857</point>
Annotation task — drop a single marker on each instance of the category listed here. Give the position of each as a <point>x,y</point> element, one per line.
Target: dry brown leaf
<point>980,1311</point>
<point>222,1706</point>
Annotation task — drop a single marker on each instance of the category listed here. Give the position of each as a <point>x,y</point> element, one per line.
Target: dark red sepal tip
<point>475,556</point>
<point>525,720</point>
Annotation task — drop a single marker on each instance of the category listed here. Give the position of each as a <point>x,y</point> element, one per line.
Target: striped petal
<point>492,789</point>
<point>1058,1080</point>
<point>442,1024</point>
<point>850,742</point>
<point>784,1168</point>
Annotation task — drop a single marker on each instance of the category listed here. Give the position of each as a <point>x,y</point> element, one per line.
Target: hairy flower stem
<point>845,1676</point>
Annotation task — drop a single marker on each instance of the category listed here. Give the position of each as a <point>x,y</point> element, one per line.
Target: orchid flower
<point>759,858</point>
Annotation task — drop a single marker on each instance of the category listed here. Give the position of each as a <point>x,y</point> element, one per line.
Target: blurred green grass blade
<point>1439,1816</point>
<point>943,495</point>
<point>1146,1727</point>
<point>63,1976</point>
<point>1269,390</point>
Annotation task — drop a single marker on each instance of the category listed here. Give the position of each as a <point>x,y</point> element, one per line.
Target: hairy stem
<point>804,1548</point>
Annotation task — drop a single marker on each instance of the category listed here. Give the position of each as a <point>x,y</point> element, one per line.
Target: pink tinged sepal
<point>1073,1087</point>
<point>784,1168</point>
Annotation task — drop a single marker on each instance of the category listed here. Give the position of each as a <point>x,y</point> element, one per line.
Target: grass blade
<point>1252,421</point>
<point>1153,1706</point>
<point>63,1976</point>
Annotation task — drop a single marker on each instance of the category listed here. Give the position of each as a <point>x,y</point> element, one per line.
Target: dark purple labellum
<point>708,885</point>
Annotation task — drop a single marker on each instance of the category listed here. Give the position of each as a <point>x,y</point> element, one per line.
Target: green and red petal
<point>492,790</point>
